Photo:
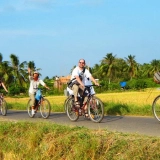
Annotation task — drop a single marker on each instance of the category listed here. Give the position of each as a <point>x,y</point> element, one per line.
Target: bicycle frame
<point>94,111</point>
<point>42,104</point>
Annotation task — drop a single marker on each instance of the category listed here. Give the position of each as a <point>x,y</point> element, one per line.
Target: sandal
<point>77,104</point>
<point>86,114</point>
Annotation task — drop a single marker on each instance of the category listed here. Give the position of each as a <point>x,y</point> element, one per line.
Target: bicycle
<point>65,102</point>
<point>43,105</point>
<point>3,105</point>
<point>95,107</point>
<point>156,107</point>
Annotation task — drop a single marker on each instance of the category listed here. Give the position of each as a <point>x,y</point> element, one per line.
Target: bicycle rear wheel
<point>156,107</point>
<point>29,109</point>
<point>95,109</point>
<point>3,107</point>
<point>45,108</point>
<point>72,112</point>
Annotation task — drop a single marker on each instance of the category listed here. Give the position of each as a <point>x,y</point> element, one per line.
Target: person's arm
<point>29,72</point>
<point>88,74</point>
<point>79,81</point>
<point>4,87</point>
<point>43,84</point>
<point>93,80</point>
<point>46,87</point>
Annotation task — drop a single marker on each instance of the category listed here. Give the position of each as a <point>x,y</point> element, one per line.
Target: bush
<point>13,90</point>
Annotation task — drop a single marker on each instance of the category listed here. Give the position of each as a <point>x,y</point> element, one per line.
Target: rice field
<point>139,98</point>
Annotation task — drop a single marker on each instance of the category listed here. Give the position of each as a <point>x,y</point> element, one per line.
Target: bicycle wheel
<point>45,108</point>
<point>65,103</point>
<point>72,112</point>
<point>4,107</point>
<point>156,107</point>
<point>29,109</point>
<point>95,109</point>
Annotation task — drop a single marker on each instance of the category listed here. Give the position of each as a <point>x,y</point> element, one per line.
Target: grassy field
<point>43,141</point>
<point>123,103</point>
<point>46,141</point>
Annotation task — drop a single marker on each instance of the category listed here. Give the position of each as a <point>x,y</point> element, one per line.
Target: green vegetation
<point>34,141</point>
<point>110,71</point>
<point>110,108</point>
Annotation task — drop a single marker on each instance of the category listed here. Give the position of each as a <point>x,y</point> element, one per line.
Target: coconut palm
<point>19,70</point>
<point>155,66</point>
<point>132,66</point>
<point>107,67</point>
<point>5,71</point>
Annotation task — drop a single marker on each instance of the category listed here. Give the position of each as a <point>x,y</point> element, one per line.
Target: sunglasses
<point>81,62</point>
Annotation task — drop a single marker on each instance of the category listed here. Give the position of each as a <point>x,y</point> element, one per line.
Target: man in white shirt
<point>34,83</point>
<point>78,78</point>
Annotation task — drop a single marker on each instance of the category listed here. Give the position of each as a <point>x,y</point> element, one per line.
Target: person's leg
<point>75,89</point>
<point>32,97</point>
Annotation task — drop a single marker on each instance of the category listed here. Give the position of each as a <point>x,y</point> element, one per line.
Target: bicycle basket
<point>38,95</point>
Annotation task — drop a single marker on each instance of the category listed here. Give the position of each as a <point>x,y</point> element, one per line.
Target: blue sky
<point>55,34</point>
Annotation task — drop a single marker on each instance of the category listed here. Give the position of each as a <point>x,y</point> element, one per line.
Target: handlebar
<point>87,86</point>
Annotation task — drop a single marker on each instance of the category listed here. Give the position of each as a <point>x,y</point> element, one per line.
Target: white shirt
<point>34,85</point>
<point>77,72</point>
<point>86,82</point>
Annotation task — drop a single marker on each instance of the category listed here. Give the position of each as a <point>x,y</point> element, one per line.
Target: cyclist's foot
<point>33,112</point>
<point>77,104</point>
<point>86,114</point>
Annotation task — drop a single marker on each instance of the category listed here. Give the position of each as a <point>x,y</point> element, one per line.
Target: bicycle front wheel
<point>29,109</point>
<point>95,109</point>
<point>72,111</point>
<point>156,107</point>
<point>4,107</point>
<point>45,108</point>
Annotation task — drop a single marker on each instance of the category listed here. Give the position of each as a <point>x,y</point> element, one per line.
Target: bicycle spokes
<point>96,109</point>
<point>45,108</point>
<point>72,111</point>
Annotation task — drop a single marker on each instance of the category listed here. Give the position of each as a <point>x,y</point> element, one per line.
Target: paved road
<point>126,124</point>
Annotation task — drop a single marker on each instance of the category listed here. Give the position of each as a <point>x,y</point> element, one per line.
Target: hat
<point>35,72</point>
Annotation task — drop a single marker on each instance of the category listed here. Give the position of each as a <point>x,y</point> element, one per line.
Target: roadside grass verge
<point>42,140</point>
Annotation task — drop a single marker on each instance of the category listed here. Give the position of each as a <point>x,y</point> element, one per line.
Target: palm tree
<point>96,71</point>
<point>107,67</point>
<point>120,70</point>
<point>155,66</point>
<point>1,57</point>
<point>19,70</point>
<point>5,71</point>
<point>132,66</point>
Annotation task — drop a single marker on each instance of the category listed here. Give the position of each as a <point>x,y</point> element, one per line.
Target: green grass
<point>38,141</point>
<point>110,108</point>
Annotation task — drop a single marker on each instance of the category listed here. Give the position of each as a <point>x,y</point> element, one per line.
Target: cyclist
<point>87,81</point>
<point>34,83</point>
<point>78,81</point>
<point>2,85</point>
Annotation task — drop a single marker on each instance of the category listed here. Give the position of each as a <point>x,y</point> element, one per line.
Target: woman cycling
<point>34,83</point>
<point>2,86</point>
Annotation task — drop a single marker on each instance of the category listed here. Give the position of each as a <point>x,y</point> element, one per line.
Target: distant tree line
<point>110,71</point>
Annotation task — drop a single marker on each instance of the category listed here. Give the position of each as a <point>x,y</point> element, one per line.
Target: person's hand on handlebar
<point>96,83</point>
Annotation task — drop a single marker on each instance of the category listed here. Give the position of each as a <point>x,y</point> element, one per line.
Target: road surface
<point>127,124</point>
